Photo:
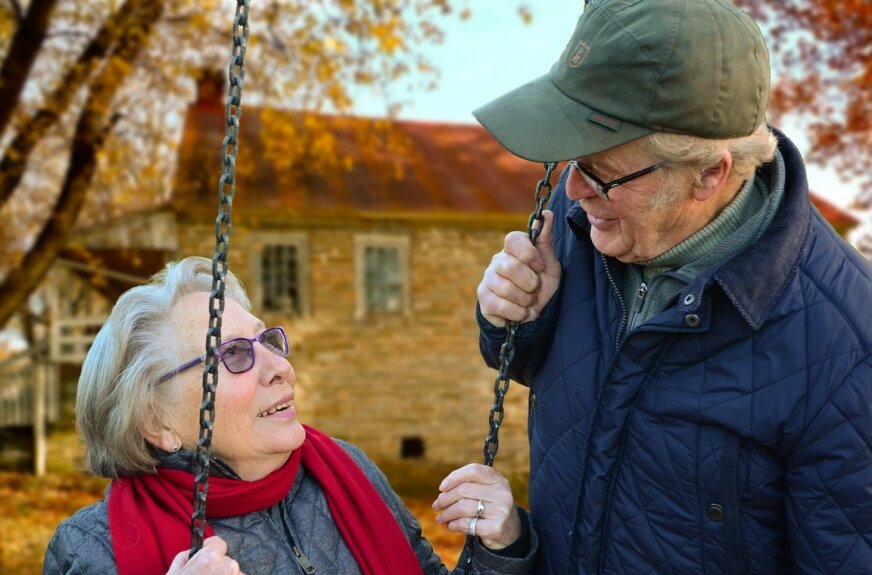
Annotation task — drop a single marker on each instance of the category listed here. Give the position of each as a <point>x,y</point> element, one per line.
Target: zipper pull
<point>308,567</point>
<point>643,289</point>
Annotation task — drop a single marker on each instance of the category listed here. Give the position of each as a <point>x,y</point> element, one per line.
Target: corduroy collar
<point>754,279</point>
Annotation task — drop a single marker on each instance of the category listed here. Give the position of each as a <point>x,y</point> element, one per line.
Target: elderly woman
<point>283,497</point>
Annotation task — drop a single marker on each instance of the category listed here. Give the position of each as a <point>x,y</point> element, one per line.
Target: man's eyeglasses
<point>237,354</point>
<point>602,188</point>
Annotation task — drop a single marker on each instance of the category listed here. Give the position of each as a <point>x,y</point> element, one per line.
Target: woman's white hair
<point>690,154</point>
<point>118,400</point>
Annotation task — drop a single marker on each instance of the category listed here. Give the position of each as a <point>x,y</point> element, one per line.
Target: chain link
<point>226,191</point>
<point>507,350</point>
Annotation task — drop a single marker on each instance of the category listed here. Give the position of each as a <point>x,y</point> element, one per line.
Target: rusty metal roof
<point>431,168</point>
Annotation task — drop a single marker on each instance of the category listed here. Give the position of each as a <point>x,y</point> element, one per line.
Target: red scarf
<point>150,515</point>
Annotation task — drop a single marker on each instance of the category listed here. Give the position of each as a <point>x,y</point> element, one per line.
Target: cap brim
<point>539,123</point>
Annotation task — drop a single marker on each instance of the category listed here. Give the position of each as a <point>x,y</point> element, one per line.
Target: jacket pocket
<point>532,405</point>
<point>730,493</point>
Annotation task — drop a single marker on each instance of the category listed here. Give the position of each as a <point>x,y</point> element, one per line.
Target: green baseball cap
<point>632,67</point>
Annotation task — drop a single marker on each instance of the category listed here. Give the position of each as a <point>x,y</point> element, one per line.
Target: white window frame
<point>363,241</point>
<point>299,240</point>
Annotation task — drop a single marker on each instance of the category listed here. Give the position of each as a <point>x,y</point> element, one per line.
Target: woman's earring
<point>176,447</point>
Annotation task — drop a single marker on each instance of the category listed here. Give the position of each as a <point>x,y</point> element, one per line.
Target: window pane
<point>279,278</point>
<point>382,274</point>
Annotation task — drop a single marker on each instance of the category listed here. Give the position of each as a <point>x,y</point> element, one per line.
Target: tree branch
<point>16,8</point>
<point>22,54</point>
<point>90,133</point>
<point>28,135</point>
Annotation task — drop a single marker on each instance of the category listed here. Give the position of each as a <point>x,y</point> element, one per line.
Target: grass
<point>32,507</point>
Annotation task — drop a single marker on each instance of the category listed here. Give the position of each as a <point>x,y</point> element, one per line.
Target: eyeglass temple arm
<point>183,367</point>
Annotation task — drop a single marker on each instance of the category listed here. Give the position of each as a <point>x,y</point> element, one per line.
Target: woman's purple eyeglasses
<point>237,354</point>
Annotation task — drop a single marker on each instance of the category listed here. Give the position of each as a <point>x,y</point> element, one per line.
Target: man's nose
<point>577,187</point>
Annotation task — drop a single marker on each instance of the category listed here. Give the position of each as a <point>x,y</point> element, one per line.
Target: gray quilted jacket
<point>259,541</point>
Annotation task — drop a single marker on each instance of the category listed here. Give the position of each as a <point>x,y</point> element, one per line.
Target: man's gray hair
<point>118,400</point>
<point>682,152</point>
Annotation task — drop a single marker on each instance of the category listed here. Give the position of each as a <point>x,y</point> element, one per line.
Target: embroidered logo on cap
<point>578,54</point>
<point>603,120</point>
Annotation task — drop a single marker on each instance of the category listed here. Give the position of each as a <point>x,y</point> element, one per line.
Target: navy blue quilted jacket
<point>730,434</point>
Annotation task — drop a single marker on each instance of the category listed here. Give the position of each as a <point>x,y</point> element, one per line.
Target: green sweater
<point>651,285</point>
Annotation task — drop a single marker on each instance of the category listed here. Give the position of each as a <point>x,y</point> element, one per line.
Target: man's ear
<point>713,179</point>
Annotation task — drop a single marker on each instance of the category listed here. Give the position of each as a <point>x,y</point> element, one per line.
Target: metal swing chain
<point>507,350</point>
<point>226,190</point>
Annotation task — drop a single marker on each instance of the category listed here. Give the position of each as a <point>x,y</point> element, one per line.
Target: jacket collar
<point>754,279</point>
<point>749,277</point>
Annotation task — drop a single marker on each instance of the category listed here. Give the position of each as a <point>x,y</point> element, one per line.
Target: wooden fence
<point>72,337</point>
<point>30,398</point>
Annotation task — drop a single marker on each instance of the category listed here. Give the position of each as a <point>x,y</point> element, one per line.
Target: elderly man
<point>695,337</point>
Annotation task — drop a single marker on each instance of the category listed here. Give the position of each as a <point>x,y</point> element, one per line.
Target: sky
<point>494,51</point>
<point>484,56</point>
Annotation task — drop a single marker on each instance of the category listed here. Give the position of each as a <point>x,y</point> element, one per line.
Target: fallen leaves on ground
<point>30,509</point>
<point>447,544</point>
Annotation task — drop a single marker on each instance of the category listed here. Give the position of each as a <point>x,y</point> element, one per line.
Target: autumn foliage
<point>822,58</point>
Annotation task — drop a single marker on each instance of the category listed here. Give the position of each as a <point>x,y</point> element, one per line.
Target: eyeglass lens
<point>595,185</point>
<point>592,182</point>
<point>238,354</point>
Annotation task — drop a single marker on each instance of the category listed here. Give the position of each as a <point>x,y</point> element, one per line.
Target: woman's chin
<point>294,436</point>
<point>283,438</point>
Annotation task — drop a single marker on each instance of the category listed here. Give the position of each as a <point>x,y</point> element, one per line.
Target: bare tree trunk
<point>22,53</point>
<point>131,14</point>
<point>91,130</point>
